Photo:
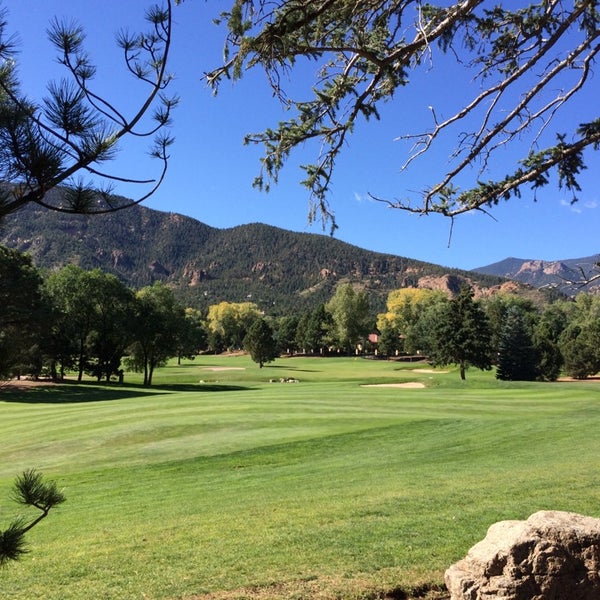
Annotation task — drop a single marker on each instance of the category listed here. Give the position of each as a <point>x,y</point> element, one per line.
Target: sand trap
<point>408,384</point>
<point>224,368</point>
<point>428,371</point>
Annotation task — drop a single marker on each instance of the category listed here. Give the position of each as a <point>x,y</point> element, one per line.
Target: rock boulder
<point>553,555</point>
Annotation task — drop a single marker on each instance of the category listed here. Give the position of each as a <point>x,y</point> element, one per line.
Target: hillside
<point>565,275</point>
<point>280,270</point>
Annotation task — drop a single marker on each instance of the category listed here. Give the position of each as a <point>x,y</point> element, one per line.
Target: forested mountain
<point>279,270</point>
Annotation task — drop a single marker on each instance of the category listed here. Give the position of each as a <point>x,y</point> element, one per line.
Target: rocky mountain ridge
<point>281,271</point>
<point>570,276</point>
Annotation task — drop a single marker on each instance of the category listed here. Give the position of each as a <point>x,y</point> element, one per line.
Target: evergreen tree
<point>260,343</point>
<point>389,341</point>
<point>312,334</point>
<point>74,129</point>
<point>24,312</point>
<point>580,347</point>
<point>462,334</point>
<point>546,337</point>
<point>286,334</point>
<point>496,307</point>
<point>527,62</point>
<point>30,489</point>
<point>516,352</point>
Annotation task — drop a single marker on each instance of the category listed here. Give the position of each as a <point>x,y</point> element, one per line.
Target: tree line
<point>87,322</point>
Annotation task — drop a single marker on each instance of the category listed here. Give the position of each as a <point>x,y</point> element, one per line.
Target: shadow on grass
<point>287,368</point>
<point>200,388</point>
<point>73,393</point>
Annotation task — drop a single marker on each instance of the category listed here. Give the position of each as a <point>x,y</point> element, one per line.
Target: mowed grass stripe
<point>175,493</point>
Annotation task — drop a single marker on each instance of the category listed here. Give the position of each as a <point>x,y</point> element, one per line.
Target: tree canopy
<point>350,316</point>
<point>527,64</point>
<point>516,352</point>
<point>260,343</point>
<point>74,131</point>
<point>461,334</point>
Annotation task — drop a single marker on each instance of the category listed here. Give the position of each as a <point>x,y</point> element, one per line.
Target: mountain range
<point>570,276</point>
<point>280,270</point>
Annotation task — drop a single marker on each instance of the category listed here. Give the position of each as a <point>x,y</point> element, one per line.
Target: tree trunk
<point>462,371</point>
<point>81,359</point>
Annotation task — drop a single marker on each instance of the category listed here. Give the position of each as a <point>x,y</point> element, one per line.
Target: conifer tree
<point>517,356</point>
<point>522,66</point>
<point>461,334</point>
<point>30,489</point>
<point>73,131</point>
<point>260,343</point>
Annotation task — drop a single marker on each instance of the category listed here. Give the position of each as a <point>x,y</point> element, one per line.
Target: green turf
<point>190,488</point>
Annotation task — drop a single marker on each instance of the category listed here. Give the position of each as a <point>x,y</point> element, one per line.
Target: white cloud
<point>576,207</point>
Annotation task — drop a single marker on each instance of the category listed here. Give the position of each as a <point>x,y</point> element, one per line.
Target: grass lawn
<point>218,483</point>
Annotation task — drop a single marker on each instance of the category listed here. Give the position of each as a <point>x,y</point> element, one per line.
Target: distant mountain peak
<point>567,275</point>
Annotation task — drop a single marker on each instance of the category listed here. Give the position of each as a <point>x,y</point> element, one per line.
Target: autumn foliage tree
<point>404,309</point>
<point>230,321</point>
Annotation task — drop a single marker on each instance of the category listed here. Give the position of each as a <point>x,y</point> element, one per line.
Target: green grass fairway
<point>217,482</point>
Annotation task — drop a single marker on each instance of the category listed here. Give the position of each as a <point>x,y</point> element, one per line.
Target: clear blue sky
<point>211,172</point>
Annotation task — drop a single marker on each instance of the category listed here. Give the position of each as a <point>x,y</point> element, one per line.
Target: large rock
<point>553,555</point>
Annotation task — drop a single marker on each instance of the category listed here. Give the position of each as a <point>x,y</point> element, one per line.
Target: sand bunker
<point>408,384</point>
<point>224,368</point>
<point>428,371</point>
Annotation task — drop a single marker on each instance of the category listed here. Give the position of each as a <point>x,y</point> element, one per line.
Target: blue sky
<point>211,172</point>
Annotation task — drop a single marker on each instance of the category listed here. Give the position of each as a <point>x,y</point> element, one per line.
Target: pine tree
<point>260,343</point>
<point>74,130</point>
<point>389,341</point>
<point>462,334</point>
<point>516,353</point>
<point>30,489</point>
<point>528,62</point>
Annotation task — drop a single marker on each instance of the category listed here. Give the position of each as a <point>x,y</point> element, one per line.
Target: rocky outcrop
<point>158,270</point>
<point>449,284</point>
<point>553,555</point>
